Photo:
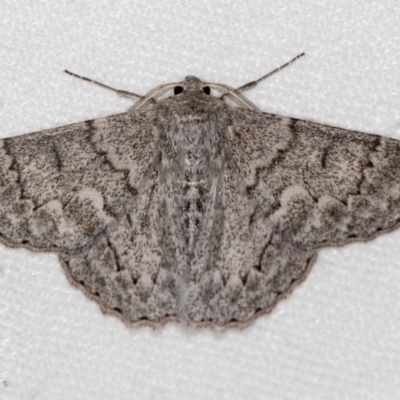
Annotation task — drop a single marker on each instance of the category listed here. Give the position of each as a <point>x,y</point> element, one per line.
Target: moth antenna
<point>122,93</point>
<point>154,94</point>
<point>233,94</point>
<point>253,84</point>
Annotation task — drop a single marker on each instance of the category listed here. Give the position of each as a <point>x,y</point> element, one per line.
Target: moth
<point>196,208</point>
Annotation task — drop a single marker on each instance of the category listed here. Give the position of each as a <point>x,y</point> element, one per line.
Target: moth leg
<point>122,93</point>
<point>253,84</point>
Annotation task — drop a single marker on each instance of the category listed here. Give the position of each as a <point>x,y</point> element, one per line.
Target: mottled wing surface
<point>92,193</point>
<point>88,191</point>
<point>325,185</point>
<point>291,187</point>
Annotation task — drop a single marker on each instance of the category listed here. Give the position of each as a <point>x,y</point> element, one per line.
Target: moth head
<point>192,84</point>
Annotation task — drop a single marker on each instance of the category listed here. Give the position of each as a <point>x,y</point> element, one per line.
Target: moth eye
<point>207,90</point>
<point>177,90</point>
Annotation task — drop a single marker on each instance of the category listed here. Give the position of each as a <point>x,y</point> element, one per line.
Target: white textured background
<point>338,336</point>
